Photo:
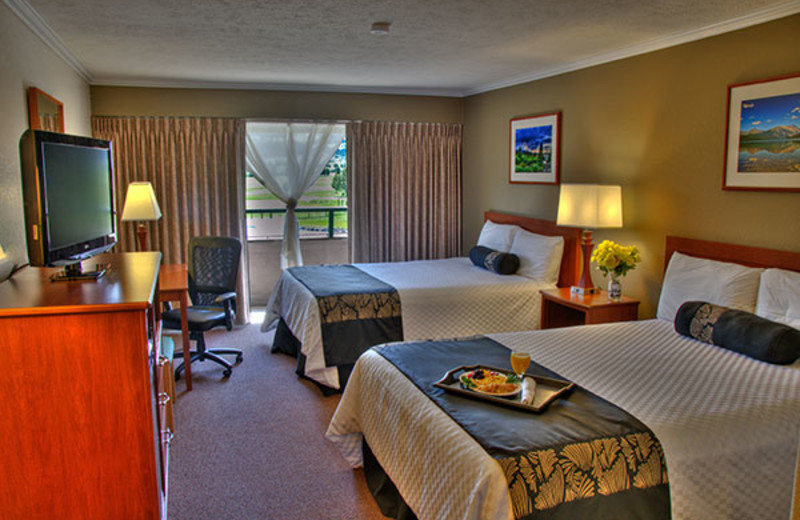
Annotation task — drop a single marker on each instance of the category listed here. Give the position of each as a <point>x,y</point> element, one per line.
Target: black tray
<point>547,389</point>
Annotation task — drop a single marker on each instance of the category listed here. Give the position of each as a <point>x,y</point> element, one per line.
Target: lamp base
<point>585,285</point>
<point>141,234</point>
<point>583,290</point>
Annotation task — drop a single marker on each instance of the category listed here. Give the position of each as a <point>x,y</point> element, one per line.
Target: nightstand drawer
<point>561,308</point>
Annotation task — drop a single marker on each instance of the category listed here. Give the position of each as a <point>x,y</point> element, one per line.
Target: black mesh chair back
<point>213,268</point>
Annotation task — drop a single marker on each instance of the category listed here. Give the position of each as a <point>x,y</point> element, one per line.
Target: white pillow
<point>497,236</point>
<point>779,297</point>
<point>699,279</point>
<point>539,255</point>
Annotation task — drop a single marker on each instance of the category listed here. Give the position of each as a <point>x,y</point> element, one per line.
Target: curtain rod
<point>278,120</point>
<point>245,119</point>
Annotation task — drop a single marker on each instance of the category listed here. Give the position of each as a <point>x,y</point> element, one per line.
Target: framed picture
<point>762,149</point>
<point>534,151</point>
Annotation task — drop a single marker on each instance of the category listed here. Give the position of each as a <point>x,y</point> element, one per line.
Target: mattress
<point>439,298</point>
<point>728,424</point>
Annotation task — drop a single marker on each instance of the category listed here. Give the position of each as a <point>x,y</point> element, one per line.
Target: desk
<point>173,285</point>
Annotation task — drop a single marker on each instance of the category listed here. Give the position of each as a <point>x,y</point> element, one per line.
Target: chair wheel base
<point>226,373</point>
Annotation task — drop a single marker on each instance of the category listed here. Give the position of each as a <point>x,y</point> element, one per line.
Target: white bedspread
<point>439,298</point>
<point>729,425</point>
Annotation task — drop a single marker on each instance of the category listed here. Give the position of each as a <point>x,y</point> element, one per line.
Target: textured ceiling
<point>446,47</point>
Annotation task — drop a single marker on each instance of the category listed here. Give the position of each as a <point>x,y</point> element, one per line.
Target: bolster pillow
<point>739,331</point>
<point>495,261</point>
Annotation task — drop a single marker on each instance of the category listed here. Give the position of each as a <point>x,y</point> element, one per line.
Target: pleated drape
<point>404,190</point>
<point>196,167</point>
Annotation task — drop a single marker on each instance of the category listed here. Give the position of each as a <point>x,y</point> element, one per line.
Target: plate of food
<point>491,382</point>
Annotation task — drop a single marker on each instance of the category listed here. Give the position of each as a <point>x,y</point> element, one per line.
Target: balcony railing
<point>314,223</point>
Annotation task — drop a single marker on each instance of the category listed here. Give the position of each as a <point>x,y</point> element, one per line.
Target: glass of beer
<point>520,361</point>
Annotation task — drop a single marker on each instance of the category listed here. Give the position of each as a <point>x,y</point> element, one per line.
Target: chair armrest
<point>228,300</point>
<point>222,298</point>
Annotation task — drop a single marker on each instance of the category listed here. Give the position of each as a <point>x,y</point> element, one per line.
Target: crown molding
<point>755,18</point>
<point>40,28</point>
<point>289,87</point>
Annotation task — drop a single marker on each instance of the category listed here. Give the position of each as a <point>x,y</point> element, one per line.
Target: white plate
<point>501,394</point>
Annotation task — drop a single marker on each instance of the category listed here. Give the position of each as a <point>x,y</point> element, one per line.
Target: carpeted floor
<point>253,446</point>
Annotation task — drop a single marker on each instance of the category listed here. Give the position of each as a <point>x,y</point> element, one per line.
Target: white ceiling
<point>438,47</point>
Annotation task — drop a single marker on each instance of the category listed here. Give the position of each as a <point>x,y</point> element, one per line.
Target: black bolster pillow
<point>739,331</point>
<point>495,261</point>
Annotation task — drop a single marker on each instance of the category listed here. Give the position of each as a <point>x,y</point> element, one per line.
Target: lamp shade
<point>590,206</point>
<point>6,265</point>
<point>141,203</point>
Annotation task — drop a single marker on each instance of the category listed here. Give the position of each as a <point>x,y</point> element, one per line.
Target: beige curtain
<point>196,167</point>
<point>404,190</point>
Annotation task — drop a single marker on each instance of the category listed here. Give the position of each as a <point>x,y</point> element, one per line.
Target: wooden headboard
<point>745,255</point>
<point>570,260</point>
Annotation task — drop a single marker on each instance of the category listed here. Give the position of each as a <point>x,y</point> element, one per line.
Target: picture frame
<point>762,145</point>
<point>534,149</point>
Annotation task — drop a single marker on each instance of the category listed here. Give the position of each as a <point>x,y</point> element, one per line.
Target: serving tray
<point>547,389</point>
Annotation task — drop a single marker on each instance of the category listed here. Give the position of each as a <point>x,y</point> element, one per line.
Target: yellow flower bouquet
<point>614,259</point>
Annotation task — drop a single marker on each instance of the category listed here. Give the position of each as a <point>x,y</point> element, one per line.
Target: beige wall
<point>272,104</point>
<point>26,61</point>
<point>654,124</point>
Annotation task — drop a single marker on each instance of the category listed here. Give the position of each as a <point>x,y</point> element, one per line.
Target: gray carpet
<point>253,446</point>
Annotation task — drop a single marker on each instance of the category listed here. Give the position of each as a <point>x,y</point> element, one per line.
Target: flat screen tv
<point>68,192</point>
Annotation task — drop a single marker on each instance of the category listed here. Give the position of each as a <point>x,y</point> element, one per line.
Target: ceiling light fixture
<point>380,28</point>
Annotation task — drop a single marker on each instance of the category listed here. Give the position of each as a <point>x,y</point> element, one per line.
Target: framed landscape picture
<point>762,149</point>
<point>534,151</point>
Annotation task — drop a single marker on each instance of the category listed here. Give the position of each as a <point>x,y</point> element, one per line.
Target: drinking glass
<point>520,361</point>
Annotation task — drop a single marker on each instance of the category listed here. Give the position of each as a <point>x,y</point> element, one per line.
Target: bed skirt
<point>286,343</point>
<point>382,488</point>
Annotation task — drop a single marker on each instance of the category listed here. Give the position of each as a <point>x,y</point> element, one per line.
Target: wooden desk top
<point>173,277</point>
<point>129,283</point>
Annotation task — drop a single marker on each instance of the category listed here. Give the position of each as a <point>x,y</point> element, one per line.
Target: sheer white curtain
<point>287,158</point>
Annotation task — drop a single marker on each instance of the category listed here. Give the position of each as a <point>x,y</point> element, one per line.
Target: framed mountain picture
<point>762,149</point>
<point>534,150</point>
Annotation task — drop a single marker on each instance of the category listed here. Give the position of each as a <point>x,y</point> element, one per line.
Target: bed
<point>416,300</point>
<point>729,425</point>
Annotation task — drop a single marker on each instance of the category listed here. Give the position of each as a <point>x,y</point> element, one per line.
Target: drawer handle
<point>163,399</point>
<point>167,436</point>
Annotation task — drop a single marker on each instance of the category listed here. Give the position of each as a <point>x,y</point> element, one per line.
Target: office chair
<point>213,269</point>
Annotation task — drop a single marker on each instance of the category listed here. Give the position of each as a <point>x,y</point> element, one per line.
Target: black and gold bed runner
<point>583,457</point>
<point>356,310</point>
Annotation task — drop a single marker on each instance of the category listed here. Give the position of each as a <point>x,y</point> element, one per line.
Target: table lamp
<point>141,205</point>
<point>589,206</point>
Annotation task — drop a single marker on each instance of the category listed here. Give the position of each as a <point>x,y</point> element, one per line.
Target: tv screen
<point>68,189</point>
<point>78,188</point>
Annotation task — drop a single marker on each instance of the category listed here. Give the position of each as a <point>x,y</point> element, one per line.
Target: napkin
<point>528,390</point>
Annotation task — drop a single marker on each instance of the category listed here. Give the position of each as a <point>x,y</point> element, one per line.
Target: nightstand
<point>561,308</point>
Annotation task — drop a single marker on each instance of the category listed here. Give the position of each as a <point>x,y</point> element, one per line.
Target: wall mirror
<point>44,111</point>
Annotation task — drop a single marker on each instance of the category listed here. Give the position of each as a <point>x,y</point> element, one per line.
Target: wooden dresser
<point>80,427</point>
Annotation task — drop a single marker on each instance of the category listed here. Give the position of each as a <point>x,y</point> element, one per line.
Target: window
<point>321,212</point>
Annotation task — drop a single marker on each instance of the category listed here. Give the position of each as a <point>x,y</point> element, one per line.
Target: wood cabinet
<point>80,434</point>
<point>561,308</point>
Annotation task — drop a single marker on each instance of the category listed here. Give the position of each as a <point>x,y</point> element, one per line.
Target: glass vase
<point>614,289</point>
